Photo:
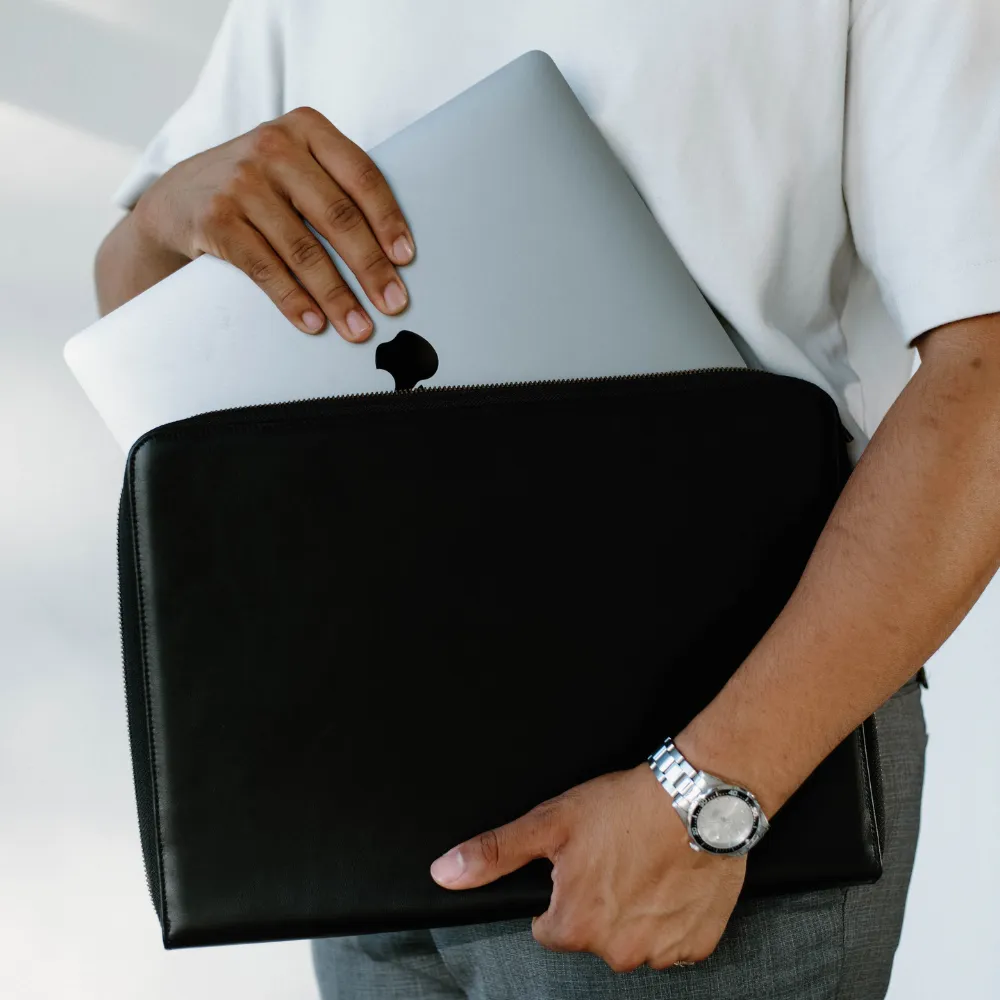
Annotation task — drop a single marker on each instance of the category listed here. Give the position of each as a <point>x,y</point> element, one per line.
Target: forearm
<point>128,263</point>
<point>910,546</point>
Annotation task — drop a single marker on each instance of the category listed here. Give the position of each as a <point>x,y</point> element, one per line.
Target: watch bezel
<point>710,796</point>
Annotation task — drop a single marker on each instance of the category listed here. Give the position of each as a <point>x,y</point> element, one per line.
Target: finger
<point>308,261</point>
<point>550,931</point>
<point>562,926</point>
<point>358,175</point>
<point>624,959</point>
<point>498,852</point>
<point>246,248</point>
<point>690,949</point>
<point>332,211</point>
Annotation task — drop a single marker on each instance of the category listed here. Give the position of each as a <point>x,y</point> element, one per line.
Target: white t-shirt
<point>778,142</point>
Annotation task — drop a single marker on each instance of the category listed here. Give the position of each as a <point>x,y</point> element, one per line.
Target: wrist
<point>149,231</point>
<point>713,749</point>
<point>129,261</point>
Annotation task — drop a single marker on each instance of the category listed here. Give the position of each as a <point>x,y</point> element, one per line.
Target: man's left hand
<point>625,883</point>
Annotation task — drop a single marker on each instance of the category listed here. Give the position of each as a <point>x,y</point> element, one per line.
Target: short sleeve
<point>922,155</point>
<point>240,85</point>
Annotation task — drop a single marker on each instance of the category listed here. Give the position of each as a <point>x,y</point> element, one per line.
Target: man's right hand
<point>245,201</point>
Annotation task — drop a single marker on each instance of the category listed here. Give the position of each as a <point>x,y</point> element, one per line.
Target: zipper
<point>486,386</point>
<point>480,387</point>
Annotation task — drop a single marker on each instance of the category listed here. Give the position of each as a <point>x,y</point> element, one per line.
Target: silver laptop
<point>536,259</point>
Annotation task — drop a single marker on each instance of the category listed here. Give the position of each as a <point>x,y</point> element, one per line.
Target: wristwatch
<point>720,818</point>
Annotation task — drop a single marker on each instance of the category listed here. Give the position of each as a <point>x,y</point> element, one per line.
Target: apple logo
<point>408,358</point>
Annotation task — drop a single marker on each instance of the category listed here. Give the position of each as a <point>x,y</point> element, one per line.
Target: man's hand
<point>245,202</point>
<point>625,883</point>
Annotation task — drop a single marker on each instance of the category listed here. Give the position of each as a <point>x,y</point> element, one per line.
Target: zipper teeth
<point>497,385</point>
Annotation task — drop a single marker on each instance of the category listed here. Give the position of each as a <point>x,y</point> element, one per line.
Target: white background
<point>83,85</point>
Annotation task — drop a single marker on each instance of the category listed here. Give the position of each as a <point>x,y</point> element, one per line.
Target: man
<point>778,143</point>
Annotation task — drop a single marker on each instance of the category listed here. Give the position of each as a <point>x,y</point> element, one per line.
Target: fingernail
<point>358,323</point>
<point>395,297</point>
<point>402,250</point>
<point>313,322</point>
<point>449,868</point>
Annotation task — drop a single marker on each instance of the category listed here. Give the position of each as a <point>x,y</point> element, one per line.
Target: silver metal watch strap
<point>679,779</point>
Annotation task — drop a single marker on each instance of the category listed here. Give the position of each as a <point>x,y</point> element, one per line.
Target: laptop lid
<point>536,259</point>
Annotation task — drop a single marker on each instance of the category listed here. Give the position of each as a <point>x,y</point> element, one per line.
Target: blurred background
<point>83,85</point>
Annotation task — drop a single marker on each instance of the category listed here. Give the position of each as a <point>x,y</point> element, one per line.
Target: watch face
<point>723,821</point>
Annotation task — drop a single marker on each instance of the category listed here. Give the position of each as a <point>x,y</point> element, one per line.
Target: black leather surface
<point>358,631</point>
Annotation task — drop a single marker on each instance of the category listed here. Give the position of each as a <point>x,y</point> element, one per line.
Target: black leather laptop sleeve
<point>359,630</point>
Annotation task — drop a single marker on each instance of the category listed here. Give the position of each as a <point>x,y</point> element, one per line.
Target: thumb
<point>497,852</point>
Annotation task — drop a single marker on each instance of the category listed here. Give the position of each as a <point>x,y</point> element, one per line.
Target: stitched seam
<point>148,706</point>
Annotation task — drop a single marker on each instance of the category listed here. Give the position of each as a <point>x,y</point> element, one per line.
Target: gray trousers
<point>832,944</point>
